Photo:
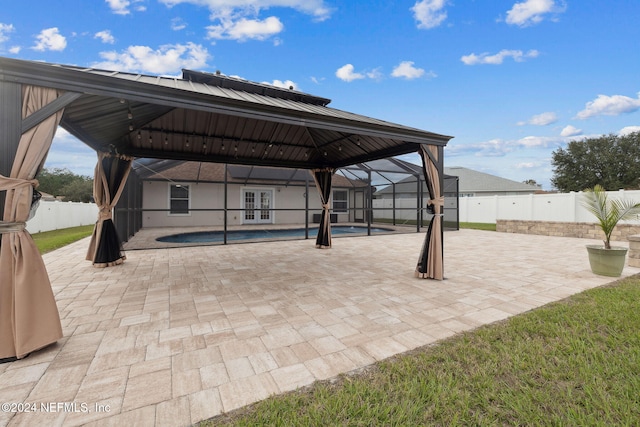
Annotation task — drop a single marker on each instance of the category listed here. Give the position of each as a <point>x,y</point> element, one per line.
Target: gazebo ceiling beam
<point>48,110</point>
<point>198,157</point>
<point>377,155</point>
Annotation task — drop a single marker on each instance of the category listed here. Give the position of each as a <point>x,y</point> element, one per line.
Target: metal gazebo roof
<point>211,117</point>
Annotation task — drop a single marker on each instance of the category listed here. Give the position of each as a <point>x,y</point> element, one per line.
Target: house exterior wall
<point>155,195</point>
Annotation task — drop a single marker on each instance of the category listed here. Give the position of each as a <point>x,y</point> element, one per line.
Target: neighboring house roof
<point>237,174</point>
<point>472,181</point>
<point>48,197</point>
<point>469,181</point>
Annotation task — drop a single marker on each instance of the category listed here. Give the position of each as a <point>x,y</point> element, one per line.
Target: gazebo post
<point>10,125</point>
<point>226,204</point>
<point>306,208</point>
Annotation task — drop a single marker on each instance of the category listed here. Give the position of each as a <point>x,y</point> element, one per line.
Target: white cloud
<point>286,84</point>
<point>50,39</point>
<point>629,129</point>
<point>315,8</point>
<point>105,36</point>
<point>15,49</point>
<point>347,73</point>
<point>375,74</point>
<point>5,29</point>
<point>570,131</point>
<point>528,165</point>
<point>498,58</point>
<point>165,60</point>
<point>542,119</point>
<point>240,19</point>
<point>532,12</point>
<point>406,70</point>
<point>119,7</point>
<point>501,147</point>
<point>178,24</point>
<point>491,148</point>
<point>429,13</point>
<point>537,141</point>
<point>245,29</point>
<point>605,105</point>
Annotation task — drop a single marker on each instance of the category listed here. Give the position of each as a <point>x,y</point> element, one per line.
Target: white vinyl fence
<point>54,215</point>
<point>561,207</point>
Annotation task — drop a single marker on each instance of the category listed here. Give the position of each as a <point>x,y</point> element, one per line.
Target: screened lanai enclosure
<point>200,117</point>
<point>171,194</point>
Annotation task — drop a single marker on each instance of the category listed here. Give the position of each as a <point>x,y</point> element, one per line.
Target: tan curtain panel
<point>29,318</point>
<point>431,263</point>
<point>105,248</point>
<point>322,178</point>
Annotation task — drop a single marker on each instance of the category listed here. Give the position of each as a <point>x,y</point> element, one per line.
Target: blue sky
<point>511,80</point>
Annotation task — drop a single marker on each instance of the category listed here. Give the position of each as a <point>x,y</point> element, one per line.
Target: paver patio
<point>175,336</point>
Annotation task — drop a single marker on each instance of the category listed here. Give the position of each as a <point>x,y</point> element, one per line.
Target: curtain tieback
<point>105,213</point>
<point>13,183</point>
<point>326,206</point>
<point>12,227</point>
<point>437,202</point>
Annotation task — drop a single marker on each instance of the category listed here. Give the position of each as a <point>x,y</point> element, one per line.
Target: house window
<point>179,200</point>
<point>340,201</point>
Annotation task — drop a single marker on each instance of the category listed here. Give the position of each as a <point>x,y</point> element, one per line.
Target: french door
<point>257,206</point>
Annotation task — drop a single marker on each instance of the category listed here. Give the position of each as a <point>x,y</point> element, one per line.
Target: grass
<point>473,225</point>
<point>574,362</point>
<point>48,241</point>
<point>478,226</point>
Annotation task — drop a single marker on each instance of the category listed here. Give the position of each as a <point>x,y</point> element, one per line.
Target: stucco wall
<point>155,195</point>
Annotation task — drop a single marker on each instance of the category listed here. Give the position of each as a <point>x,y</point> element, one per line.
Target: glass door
<point>257,206</point>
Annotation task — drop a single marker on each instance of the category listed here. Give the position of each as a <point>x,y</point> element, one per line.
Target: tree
<point>78,191</point>
<point>532,182</point>
<point>612,161</point>
<point>64,183</point>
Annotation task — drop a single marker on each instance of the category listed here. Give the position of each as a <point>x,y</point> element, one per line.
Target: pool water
<point>218,236</point>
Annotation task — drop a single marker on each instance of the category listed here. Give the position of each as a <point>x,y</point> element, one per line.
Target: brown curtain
<point>431,264</point>
<point>323,177</point>
<point>29,318</point>
<point>105,248</point>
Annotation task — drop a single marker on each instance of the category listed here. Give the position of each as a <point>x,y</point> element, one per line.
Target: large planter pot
<point>607,262</point>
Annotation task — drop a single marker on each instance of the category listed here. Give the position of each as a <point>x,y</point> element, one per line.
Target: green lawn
<point>474,225</point>
<point>574,362</point>
<point>51,240</point>
<point>478,226</point>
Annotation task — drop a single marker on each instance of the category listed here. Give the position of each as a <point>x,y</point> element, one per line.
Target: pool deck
<point>146,238</point>
<point>175,336</point>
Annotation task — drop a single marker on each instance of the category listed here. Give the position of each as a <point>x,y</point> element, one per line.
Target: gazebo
<point>201,116</point>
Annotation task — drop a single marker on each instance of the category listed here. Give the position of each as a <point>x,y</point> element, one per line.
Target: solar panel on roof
<point>271,174</point>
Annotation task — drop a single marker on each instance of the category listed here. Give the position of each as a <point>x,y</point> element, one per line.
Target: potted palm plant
<point>607,260</point>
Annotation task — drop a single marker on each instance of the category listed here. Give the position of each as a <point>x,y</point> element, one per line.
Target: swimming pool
<point>252,234</point>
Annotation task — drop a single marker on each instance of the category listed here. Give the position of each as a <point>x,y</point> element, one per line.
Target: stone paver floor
<point>175,336</point>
